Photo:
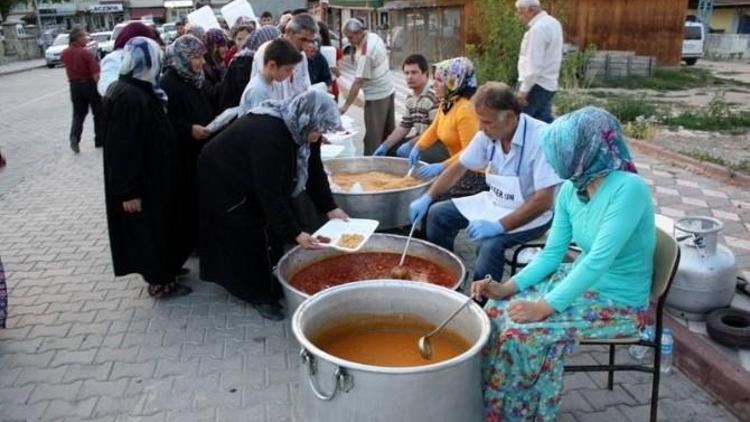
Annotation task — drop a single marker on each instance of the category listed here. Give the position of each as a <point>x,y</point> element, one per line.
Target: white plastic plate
<point>333,230</point>
<point>331,151</point>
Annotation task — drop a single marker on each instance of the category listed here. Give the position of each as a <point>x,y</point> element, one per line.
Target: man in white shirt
<point>372,76</point>
<point>518,205</point>
<point>539,60</point>
<point>301,31</point>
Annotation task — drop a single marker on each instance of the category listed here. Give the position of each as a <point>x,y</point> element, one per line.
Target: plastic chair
<point>666,261</point>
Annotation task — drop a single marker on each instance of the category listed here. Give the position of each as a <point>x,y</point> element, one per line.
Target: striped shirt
<point>420,112</point>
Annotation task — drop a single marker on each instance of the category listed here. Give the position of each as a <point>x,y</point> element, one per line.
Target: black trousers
<point>84,95</point>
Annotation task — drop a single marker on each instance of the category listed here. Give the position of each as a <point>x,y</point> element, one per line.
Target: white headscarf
<point>308,111</point>
<point>142,60</point>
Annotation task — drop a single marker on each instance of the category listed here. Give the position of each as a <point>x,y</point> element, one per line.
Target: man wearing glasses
<point>300,31</point>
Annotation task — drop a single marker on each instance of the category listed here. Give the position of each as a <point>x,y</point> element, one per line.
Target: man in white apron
<point>518,206</point>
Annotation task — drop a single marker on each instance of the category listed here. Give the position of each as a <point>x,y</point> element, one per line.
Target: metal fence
<point>728,45</point>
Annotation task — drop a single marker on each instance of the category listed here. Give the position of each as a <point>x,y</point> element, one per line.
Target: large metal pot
<point>707,274</point>
<point>299,258</point>
<point>390,207</point>
<point>335,389</point>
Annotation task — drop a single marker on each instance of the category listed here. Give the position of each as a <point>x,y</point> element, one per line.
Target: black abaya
<point>245,179</point>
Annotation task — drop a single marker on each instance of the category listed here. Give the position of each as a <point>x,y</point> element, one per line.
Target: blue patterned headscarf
<point>258,38</point>
<point>308,111</point>
<point>585,144</point>
<point>141,59</point>
<point>182,50</point>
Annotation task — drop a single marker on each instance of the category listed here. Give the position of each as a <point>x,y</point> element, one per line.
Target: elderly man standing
<point>539,60</point>
<point>372,77</point>
<point>301,31</point>
<point>518,205</point>
<point>83,71</point>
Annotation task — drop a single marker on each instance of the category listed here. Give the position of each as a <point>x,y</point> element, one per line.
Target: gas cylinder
<point>707,274</point>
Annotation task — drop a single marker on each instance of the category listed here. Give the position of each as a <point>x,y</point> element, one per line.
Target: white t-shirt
<point>534,171</point>
<point>298,83</point>
<point>256,91</point>
<point>372,67</point>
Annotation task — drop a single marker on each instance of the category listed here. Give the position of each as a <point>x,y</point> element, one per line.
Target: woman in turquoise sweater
<point>540,313</point>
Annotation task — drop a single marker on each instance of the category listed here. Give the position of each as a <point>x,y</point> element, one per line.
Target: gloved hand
<point>414,156</point>
<point>381,151</point>
<point>482,229</point>
<point>430,170</point>
<point>418,208</point>
<point>404,150</point>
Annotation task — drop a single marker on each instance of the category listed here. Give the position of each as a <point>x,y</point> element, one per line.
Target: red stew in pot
<point>346,268</point>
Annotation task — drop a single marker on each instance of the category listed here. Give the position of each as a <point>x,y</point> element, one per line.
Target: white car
<point>693,42</point>
<point>105,43</point>
<point>53,52</point>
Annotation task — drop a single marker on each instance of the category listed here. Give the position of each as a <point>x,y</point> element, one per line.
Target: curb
<point>23,69</point>
<point>714,171</point>
<point>724,379</point>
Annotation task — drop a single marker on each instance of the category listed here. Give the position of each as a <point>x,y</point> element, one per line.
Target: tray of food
<point>347,236</point>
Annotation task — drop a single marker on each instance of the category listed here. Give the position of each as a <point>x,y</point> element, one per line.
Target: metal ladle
<point>425,347</point>
<point>399,271</point>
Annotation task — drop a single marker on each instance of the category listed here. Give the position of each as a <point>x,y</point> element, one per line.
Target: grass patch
<point>664,80</point>
<point>742,167</point>
<point>698,121</point>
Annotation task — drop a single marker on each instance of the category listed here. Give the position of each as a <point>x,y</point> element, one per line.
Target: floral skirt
<point>3,297</point>
<point>522,367</point>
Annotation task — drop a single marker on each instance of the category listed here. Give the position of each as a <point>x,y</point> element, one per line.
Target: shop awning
<point>137,13</point>
<point>355,4</point>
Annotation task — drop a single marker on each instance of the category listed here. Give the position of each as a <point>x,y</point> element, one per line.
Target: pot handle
<point>341,379</point>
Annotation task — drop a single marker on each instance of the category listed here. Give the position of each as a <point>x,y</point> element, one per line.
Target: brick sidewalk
<point>82,345</point>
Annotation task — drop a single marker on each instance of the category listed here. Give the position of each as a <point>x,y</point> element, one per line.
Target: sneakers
<point>269,311</point>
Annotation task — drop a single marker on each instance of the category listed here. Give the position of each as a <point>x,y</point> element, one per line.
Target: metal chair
<point>666,261</point>
<point>539,242</point>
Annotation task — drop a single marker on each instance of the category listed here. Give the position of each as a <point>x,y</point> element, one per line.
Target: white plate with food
<point>347,236</point>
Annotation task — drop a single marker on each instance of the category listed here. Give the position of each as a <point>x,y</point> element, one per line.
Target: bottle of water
<point>667,349</point>
<point>639,352</point>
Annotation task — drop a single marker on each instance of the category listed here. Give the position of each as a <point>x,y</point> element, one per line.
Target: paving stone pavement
<point>82,345</point>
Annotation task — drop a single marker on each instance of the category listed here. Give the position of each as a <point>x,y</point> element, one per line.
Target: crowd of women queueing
<point>174,187</point>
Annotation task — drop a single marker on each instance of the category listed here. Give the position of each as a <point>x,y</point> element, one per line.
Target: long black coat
<point>235,81</point>
<point>187,106</point>
<point>141,160</point>
<point>246,176</point>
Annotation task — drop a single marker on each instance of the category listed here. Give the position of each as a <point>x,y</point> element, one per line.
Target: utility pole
<point>39,26</point>
<point>705,10</point>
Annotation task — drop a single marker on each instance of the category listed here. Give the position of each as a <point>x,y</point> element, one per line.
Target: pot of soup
<point>303,273</point>
<point>375,188</point>
<point>360,360</point>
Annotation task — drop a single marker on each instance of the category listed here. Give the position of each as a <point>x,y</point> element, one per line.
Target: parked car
<point>693,42</point>
<point>53,53</point>
<point>105,43</point>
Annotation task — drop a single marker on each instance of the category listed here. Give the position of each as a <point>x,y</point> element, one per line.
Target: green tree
<point>500,33</point>
<point>6,5</point>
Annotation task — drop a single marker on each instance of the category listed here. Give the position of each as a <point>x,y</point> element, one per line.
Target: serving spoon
<point>399,271</point>
<point>425,347</point>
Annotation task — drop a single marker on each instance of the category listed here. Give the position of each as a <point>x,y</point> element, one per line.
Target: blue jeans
<point>539,104</point>
<point>443,223</point>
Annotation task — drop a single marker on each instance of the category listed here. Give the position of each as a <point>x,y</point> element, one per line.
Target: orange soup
<point>387,341</point>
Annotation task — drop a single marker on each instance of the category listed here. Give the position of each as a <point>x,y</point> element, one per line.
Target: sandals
<point>168,291</point>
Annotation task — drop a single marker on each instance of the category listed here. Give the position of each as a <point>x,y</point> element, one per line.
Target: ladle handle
<point>406,247</point>
<point>447,320</point>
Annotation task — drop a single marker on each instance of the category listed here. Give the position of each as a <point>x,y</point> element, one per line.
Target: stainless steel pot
<point>299,258</point>
<point>390,207</point>
<point>335,389</point>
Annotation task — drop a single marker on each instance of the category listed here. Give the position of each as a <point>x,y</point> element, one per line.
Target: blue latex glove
<point>381,151</point>
<point>430,170</point>
<point>404,150</point>
<point>482,229</point>
<point>414,156</point>
<point>418,208</point>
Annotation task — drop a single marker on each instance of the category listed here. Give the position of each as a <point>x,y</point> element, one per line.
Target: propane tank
<point>707,274</point>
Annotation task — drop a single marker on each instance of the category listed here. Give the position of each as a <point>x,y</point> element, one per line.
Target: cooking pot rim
<point>287,256</point>
<point>391,284</point>
<point>426,182</point>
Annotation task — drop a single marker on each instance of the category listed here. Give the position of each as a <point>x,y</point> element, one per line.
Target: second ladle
<point>399,271</point>
<point>425,347</point>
